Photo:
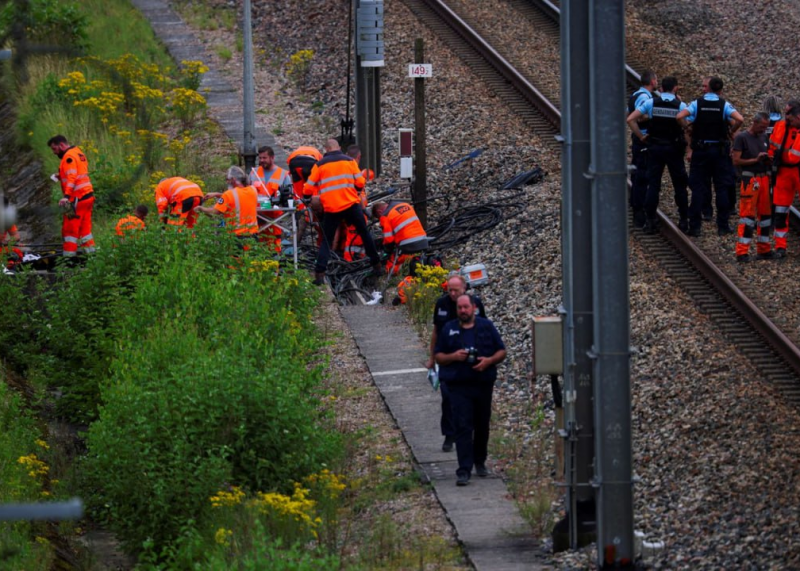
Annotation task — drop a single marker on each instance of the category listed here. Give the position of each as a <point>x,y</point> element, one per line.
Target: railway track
<point>743,323</point>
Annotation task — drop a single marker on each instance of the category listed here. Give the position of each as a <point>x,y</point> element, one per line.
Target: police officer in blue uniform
<point>712,121</point>
<point>666,144</point>
<point>639,149</point>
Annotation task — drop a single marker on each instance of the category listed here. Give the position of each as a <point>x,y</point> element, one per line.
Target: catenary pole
<point>420,148</point>
<point>612,391</point>
<point>576,241</point>
<point>248,138</point>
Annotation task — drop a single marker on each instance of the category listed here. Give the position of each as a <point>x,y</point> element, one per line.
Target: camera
<point>472,356</point>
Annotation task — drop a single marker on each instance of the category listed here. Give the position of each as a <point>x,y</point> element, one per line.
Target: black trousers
<point>471,405</point>
<point>639,158</point>
<point>711,163</point>
<point>330,222</point>
<point>670,156</point>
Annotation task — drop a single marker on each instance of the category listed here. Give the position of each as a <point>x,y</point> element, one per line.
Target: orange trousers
<point>76,230</point>
<point>755,209</point>
<point>787,184</point>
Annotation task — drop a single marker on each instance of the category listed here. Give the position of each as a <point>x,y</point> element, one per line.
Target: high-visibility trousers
<point>396,260</point>
<point>353,245</point>
<point>182,213</point>
<point>755,210</point>
<point>787,184</point>
<point>76,230</point>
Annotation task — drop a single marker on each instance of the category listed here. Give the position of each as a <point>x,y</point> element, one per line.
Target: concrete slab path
<point>494,535</point>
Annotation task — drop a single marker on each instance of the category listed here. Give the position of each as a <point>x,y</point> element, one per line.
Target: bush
<point>209,385</point>
<point>49,22</point>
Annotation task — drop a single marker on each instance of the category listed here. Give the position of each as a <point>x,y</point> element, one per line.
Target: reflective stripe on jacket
<point>128,224</point>
<point>272,185</point>
<point>336,179</point>
<point>73,173</point>
<point>401,225</point>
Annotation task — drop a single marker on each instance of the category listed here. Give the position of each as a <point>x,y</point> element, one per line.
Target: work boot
<point>708,215</point>
<point>780,253</point>
<point>319,278</point>
<point>694,232</point>
<point>481,470</point>
<point>447,446</point>
<point>639,218</point>
<point>724,230</point>
<point>462,479</point>
<point>743,258</point>
<point>766,256</point>
<point>683,225</point>
<point>651,226</point>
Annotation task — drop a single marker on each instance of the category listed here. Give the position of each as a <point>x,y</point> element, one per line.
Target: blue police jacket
<point>484,337</point>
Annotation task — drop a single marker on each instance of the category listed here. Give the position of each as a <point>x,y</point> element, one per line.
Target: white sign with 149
<point>416,70</point>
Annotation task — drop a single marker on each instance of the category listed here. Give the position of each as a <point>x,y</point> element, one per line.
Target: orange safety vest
<point>791,148</point>
<point>171,191</point>
<point>401,288</point>
<point>239,206</point>
<point>73,172</point>
<point>4,235</point>
<point>268,187</point>
<point>401,226</point>
<point>130,223</point>
<point>336,179</point>
<point>301,169</point>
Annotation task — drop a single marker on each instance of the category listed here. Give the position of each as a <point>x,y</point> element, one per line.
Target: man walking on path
<point>444,311</point>
<point>468,351</point>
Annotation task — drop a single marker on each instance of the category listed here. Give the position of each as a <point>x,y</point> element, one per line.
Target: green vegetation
<point>224,52</point>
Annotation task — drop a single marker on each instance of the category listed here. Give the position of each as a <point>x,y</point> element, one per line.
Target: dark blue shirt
<point>445,310</point>
<point>483,336</point>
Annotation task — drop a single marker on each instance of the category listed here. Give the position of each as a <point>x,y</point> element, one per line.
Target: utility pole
<point>369,60</point>
<point>420,169</point>
<point>576,255</point>
<point>611,349</point>
<point>248,139</point>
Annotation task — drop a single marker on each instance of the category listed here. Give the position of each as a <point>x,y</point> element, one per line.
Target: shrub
<point>209,384</point>
<point>50,22</point>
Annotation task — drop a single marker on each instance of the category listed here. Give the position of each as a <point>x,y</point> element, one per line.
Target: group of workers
<point>764,158</point>
<point>326,190</point>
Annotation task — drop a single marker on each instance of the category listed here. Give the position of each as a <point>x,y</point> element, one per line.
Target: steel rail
<point>749,312</point>
<point>498,62</point>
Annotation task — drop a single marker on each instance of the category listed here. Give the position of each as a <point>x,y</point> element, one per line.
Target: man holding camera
<point>468,350</point>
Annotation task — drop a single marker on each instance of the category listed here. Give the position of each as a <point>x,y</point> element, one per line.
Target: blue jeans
<point>471,405</point>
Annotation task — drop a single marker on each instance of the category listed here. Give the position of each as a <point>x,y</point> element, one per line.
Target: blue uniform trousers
<point>671,156</point>
<point>639,155</point>
<point>471,405</point>
<point>710,163</point>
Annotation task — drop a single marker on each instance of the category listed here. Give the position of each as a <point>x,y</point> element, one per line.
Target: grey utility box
<point>548,346</point>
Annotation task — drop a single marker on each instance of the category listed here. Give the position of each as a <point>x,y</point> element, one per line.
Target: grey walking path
<point>488,524</point>
<point>223,99</point>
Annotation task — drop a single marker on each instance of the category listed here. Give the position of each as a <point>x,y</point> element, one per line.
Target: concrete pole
<point>420,149</point>
<point>576,252</point>
<point>248,139</point>
<point>612,390</point>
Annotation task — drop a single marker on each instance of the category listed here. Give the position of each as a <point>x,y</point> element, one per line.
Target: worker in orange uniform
<point>73,174</point>
<point>300,162</point>
<point>751,159</point>
<point>335,181</point>
<point>9,242</point>
<point>784,149</point>
<point>176,200</point>
<point>270,180</point>
<point>237,205</point>
<point>353,245</point>
<point>133,222</point>
<point>402,231</point>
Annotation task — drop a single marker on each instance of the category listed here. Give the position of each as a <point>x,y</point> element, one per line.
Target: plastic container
<point>476,275</point>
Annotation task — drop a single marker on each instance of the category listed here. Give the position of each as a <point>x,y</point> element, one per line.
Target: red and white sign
<point>416,70</point>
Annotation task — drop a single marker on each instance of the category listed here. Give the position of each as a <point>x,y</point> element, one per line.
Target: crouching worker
<point>132,223</point>
<point>402,231</point>
<point>468,350</point>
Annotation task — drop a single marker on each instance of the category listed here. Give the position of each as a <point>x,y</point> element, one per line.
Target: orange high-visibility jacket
<point>73,172</point>
<point>300,163</point>
<point>268,185</point>
<point>336,179</point>
<point>128,224</point>
<point>173,190</point>
<point>401,288</point>
<point>791,148</point>
<point>239,206</point>
<point>401,226</point>
<point>4,236</point>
